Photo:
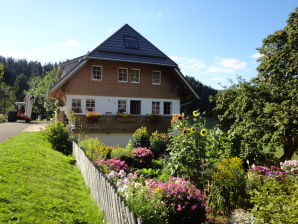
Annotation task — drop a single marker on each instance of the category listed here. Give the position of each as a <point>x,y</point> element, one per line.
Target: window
<point>76,105</point>
<point>135,107</point>
<point>90,104</point>
<point>122,75</point>
<point>167,107</point>
<point>131,42</point>
<point>156,77</point>
<point>97,72</point>
<point>155,107</point>
<point>135,75</point>
<point>121,106</point>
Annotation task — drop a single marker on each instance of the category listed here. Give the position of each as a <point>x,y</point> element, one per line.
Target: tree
<point>38,88</point>
<point>204,92</point>
<point>20,86</point>
<point>6,93</point>
<point>263,113</point>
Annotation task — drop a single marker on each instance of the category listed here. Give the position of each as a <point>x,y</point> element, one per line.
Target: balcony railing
<point>118,124</point>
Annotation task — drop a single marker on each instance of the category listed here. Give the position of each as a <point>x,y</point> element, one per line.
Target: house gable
<point>117,48</point>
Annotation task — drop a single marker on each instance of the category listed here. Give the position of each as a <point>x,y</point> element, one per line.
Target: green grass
<point>37,185</point>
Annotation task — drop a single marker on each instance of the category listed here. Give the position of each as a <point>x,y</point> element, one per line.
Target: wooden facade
<point>83,84</point>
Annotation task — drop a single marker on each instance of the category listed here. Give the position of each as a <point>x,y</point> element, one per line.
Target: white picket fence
<point>103,192</point>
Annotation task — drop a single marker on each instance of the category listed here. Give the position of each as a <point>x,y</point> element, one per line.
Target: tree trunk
<point>290,147</point>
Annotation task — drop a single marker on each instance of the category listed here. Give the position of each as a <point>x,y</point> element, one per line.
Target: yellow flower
<point>186,131</point>
<point>192,130</point>
<point>203,132</point>
<point>195,113</point>
<point>158,189</point>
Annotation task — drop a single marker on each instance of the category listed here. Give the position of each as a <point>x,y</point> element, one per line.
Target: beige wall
<point>82,83</point>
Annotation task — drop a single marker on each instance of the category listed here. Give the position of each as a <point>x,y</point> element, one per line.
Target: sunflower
<point>195,113</point>
<point>192,130</point>
<point>203,132</point>
<point>186,131</point>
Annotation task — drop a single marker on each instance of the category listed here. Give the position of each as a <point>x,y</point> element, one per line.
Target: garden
<point>243,170</point>
<point>188,176</point>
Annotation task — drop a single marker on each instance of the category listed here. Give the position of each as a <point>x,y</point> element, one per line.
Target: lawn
<point>38,185</point>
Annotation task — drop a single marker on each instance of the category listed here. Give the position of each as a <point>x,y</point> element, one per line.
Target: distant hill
<point>203,104</point>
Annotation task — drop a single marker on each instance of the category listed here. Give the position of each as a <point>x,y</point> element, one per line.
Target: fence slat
<point>104,194</point>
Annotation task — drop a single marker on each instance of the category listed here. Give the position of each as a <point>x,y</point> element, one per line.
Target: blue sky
<point>212,40</point>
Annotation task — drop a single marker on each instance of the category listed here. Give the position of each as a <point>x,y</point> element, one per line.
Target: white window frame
<point>164,108</point>
<point>101,72</point>
<point>121,74</point>
<point>153,78</point>
<point>91,101</point>
<point>119,103</point>
<point>155,107</point>
<point>76,100</point>
<point>131,75</point>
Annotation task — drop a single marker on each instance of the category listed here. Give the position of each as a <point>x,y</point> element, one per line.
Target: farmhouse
<point>125,74</point>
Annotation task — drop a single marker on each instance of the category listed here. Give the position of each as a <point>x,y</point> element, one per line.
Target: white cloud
<point>160,13</point>
<point>227,65</point>
<point>193,64</point>
<point>256,55</point>
<point>231,63</point>
<point>67,43</point>
<point>219,70</point>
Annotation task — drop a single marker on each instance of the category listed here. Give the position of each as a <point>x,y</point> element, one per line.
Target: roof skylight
<point>131,42</point>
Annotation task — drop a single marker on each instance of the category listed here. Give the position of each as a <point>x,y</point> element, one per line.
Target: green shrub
<point>274,199</point>
<point>158,143</point>
<point>70,116</point>
<point>95,149</point>
<point>2,118</point>
<point>150,173</point>
<point>146,205</point>
<point>124,154</point>
<point>59,138</point>
<point>228,185</point>
<point>141,138</point>
<point>121,153</point>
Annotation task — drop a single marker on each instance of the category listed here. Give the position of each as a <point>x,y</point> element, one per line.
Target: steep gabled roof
<point>115,48</point>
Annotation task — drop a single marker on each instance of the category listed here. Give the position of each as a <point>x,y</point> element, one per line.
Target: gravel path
<point>9,129</point>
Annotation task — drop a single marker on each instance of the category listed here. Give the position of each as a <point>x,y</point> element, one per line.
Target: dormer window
<point>131,42</point>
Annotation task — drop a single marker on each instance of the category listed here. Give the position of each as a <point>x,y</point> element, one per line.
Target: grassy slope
<point>37,185</point>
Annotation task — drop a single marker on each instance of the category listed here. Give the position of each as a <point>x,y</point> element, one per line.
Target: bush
<point>59,138</point>
<point>141,138</point>
<point>184,201</point>
<point>95,149</point>
<point>158,143</point>
<point>111,165</point>
<point>2,118</point>
<point>228,185</point>
<point>275,199</point>
<point>143,157</point>
<point>124,154</point>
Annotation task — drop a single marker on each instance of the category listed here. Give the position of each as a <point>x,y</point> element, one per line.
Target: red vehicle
<point>22,110</point>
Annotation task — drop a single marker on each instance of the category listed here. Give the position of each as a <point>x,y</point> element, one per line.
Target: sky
<point>214,41</point>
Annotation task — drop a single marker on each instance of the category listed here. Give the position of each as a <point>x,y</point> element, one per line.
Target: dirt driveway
<point>9,129</point>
